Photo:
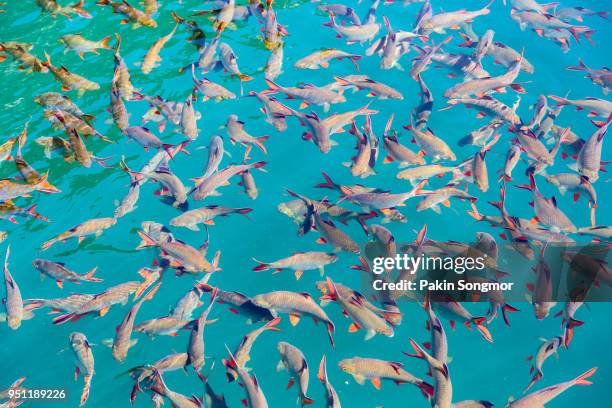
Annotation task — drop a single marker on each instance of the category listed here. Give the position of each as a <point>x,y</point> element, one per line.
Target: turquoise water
<point>479,370</point>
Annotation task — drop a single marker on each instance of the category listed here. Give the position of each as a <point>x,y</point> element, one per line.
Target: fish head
<point>37,263</point>
<point>281,347</point>
<point>541,310</point>
<point>14,322</point>
<point>346,366</point>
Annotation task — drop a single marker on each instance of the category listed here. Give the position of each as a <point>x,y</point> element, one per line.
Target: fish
<point>121,77</point>
<point>296,304</point>
<point>294,361</point>
<point>441,196</point>
<point>373,322</point>
<point>588,162</point>
<point>241,304</point>
<point>236,133</point>
<point>542,291</point>
<point>299,262</point>
<point>242,353</point>
<point>229,59</point>
<point>443,389</point>
<point>512,159</point>
<point>10,190</point>
<point>544,395</point>
<point>19,52</point>
<point>541,22</point>
<point>595,106</point>
<point>455,310</point>
<point>431,144</point>
<point>84,362</point>
<point>331,396</point>
<point>144,137</point>
<point>13,303</point>
<point>195,346</point>
<point>207,186</point>
<point>210,90</point>
<point>11,211</point>
<point>321,59</point>
<point>547,211</point>
<point>482,86</point>
<point>68,304</point>
<point>354,33</point>
<point>57,101</point>
<point>453,19</point>
<point>490,106</point>
<point>59,272</point>
<point>601,77</point>
<point>375,88</point>
<point>185,258</point>
<point>421,63</point>
<point>422,112</point>
<point>81,45</point>
<point>215,155</point>
<point>152,58</point>
<point>93,226</point>
<point>205,215</point>
<point>375,370</point>
<point>377,201</point>
<point>176,399</point>
<point>136,16</point>
<point>255,397</point>
<point>576,13</point>
<point>54,8</point>
<point>547,349</point>
<point>101,303</point>
<point>308,94</point>
<point>70,80</point>
<point>224,15</point>
<point>122,341</point>
<point>274,63</point>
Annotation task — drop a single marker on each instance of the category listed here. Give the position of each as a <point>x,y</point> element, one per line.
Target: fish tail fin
<point>580,67</point>
<point>63,318</point>
<point>475,214</point>
<point>147,241</point>
<point>244,210</point>
<point>333,291</point>
<point>582,379</point>
<point>32,211</point>
<point>485,9</point>
<point>89,276</point>
<point>547,6</point>
<point>331,22</point>
<point>245,77</point>
<point>427,389</point>
<point>538,376</point>
<point>307,401</point>
<point>482,329</point>
<point>105,43</point>
<point>263,266</point>
<point>260,143</point>
<point>506,308</point>
<point>559,100</point>
<point>271,325</point>
<point>78,8</point>
<point>330,332</point>
<point>329,183</point>
<point>273,87</point>
<point>87,386</point>
<point>568,333</point>
<point>215,262</point>
<point>322,373</point>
